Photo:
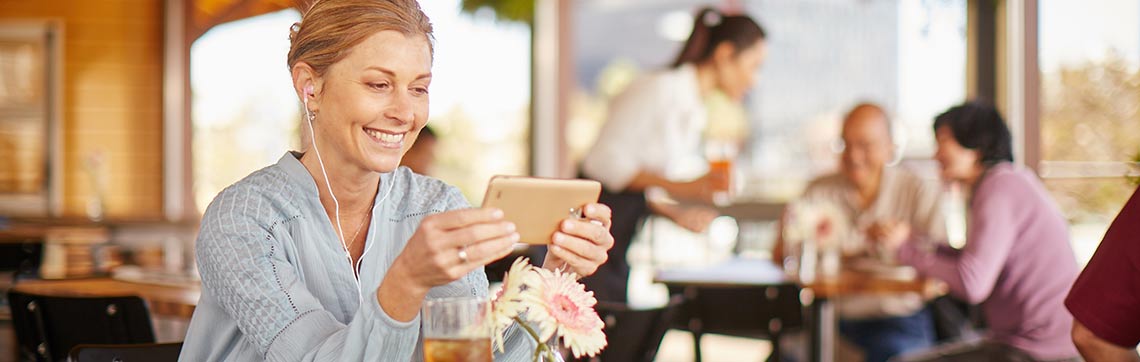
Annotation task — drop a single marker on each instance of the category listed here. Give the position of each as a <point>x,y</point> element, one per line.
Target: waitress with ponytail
<point>655,126</point>
<point>329,254</point>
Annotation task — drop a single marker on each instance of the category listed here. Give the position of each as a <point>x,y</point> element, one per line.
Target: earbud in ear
<point>308,91</point>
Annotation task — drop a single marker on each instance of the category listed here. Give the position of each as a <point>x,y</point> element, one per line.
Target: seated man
<point>870,192</point>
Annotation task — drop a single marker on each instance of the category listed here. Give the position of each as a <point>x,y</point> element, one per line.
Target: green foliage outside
<point>1091,112</point>
<point>507,10</point>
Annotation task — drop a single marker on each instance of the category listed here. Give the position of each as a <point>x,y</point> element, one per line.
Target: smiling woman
<point>375,101</point>
<point>330,254</point>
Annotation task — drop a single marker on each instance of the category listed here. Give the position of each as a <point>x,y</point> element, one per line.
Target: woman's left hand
<point>890,234</point>
<point>581,245</point>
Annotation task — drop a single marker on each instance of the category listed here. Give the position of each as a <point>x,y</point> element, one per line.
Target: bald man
<point>871,192</point>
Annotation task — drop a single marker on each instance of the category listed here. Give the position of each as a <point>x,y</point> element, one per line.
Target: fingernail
<point>558,238</point>
<point>555,248</point>
<point>511,227</point>
<point>567,225</point>
<point>515,237</point>
<point>497,213</point>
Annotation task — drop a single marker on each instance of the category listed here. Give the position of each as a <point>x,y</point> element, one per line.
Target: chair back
<point>753,312</point>
<point>634,334</point>
<point>150,352</point>
<point>47,327</point>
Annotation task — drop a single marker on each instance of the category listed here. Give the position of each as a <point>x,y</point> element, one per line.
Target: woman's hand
<point>444,248</point>
<point>451,244</point>
<point>582,245</point>
<point>889,234</point>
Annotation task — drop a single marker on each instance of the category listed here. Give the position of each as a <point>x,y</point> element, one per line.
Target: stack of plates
<point>71,252</point>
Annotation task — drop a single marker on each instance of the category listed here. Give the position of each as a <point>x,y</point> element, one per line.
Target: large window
<point>480,96</point>
<point>823,57</point>
<point>245,114</point>
<point>1089,55</point>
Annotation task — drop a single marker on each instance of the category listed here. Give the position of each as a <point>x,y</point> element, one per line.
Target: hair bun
<point>712,17</point>
<point>293,30</point>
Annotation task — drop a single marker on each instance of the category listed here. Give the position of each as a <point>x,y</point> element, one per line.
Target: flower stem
<point>541,346</point>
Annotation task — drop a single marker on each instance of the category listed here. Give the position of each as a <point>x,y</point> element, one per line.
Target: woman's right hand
<point>444,248</point>
<point>451,244</point>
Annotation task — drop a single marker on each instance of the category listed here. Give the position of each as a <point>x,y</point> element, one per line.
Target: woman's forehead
<point>390,51</point>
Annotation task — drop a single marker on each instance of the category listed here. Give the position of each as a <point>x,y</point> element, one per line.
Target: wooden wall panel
<point>112,89</point>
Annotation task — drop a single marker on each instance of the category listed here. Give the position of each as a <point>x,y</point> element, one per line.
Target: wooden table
<point>753,210</point>
<point>847,283</point>
<point>763,274</point>
<point>851,282</point>
<point>164,300</point>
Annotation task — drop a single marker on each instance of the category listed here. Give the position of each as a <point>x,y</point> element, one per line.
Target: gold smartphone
<point>537,205</point>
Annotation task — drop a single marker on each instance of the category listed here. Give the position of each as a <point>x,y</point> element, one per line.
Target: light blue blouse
<point>277,286</point>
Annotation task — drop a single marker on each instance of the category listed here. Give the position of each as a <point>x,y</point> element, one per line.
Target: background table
<point>164,300</point>
<point>762,277</point>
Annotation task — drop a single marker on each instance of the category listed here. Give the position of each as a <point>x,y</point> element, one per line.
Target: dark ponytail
<point>711,28</point>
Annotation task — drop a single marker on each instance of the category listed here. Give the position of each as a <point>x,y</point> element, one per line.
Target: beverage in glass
<point>720,155</point>
<point>722,169</point>
<point>457,330</point>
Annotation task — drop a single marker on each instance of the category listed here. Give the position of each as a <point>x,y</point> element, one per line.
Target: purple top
<point>1017,262</point>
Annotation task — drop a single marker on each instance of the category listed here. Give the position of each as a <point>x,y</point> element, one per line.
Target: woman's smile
<point>386,139</point>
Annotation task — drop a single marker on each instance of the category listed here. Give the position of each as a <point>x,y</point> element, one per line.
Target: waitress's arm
<point>695,190</point>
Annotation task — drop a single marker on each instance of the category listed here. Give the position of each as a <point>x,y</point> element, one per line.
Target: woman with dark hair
<point>1017,262</point>
<point>652,136</point>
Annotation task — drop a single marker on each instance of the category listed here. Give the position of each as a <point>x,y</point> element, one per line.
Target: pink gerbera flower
<point>560,305</point>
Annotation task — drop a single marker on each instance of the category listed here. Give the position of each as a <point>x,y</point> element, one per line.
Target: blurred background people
<point>870,191</point>
<point>1017,261</point>
<point>652,137</point>
<point>421,156</point>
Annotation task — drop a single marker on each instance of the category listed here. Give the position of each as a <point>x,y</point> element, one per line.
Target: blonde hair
<point>330,28</point>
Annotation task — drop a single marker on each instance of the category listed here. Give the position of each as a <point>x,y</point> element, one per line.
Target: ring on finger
<point>463,254</point>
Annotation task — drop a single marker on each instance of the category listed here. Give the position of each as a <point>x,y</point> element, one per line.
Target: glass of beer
<point>720,156</point>
<point>722,168</point>
<point>457,330</point>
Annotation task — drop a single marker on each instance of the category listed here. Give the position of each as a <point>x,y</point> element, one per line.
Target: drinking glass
<point>457,330</point>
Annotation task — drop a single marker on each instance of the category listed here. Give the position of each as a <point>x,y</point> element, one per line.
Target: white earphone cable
<point>340,229</point>
<point>313,138</point>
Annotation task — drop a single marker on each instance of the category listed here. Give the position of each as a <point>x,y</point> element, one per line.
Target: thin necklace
<point>352,241</point>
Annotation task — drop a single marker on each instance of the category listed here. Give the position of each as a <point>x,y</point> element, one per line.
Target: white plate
<point>882,270</point>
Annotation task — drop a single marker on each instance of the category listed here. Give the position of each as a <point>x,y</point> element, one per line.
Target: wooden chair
<point>151,352</point>
<point>48,327</point>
